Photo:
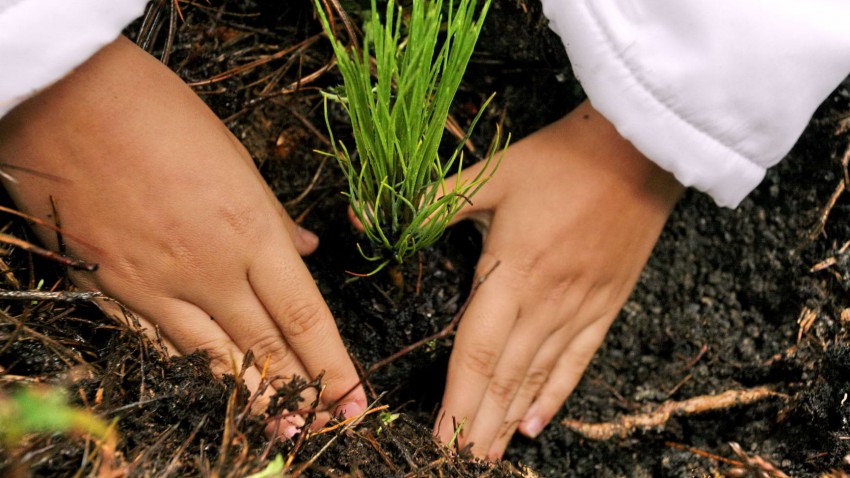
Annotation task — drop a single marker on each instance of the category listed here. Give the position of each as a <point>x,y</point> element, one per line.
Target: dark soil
<point>717,308</point>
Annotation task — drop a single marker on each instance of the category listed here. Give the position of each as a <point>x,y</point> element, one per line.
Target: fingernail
<point>308,237</point>
<point>286,427</point>
<point>349,410</point>
<point>290,431</point>
<point>531,427</point>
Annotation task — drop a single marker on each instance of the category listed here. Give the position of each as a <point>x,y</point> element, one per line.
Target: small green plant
<point>34,410</point>
<point>46,410</point>
<point>398,104</point>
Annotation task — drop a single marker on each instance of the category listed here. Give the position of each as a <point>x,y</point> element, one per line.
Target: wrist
<point>590,137</point>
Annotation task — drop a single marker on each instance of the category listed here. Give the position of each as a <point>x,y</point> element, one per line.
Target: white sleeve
<point>42,40</point>
<point>713,91</point>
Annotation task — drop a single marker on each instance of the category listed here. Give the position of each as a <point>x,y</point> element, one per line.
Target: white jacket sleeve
<point>713,91</point>
<point>42,40</point>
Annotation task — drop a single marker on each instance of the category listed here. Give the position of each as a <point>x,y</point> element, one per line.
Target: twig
<point>679,385</point>
<point>805,321</point>
<point>656,419</point>
<point>174,12</point>
<point>258,62</point>
<point>64,260</point>
<point>351,419</point>
<point>830,261</point>
<point>691,363</point>
<point>59,296</point>
<point>53,227</point>
<point>842,186</point>
<point>819,227</point>
<point>306,191</point>
<point>704,454</point>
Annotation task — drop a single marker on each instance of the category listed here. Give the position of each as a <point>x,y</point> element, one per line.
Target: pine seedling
<point>398,104</point>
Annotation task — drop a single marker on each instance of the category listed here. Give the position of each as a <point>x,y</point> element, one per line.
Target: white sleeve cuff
<point>714,92</point>
<point>42,40</point>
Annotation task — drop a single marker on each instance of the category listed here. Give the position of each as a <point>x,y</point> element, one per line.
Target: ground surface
<point>730,300</point>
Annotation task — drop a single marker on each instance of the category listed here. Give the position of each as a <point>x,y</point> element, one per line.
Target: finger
<point>536,377</point>
<point>481,337</point>
<point>355,221</point>
<point>241,315</point>
<point>564,377</point>
<point>287,291</point>
<point>534,346</point>
<point>180,322</point>
<point>121,314</point>
<point>183,321</point>
<point>134,321</point>
<point>508,377</point>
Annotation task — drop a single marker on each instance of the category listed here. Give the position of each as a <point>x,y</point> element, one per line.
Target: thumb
<point>479,206</point>
<point>305,241</point>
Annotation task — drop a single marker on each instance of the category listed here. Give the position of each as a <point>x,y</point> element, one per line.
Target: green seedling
<point>387,418</point>
<point>398,103</point>
<point>275,469</point>
<point>46,410</point>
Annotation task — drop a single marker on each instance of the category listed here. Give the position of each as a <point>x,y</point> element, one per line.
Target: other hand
<point>571,217</point>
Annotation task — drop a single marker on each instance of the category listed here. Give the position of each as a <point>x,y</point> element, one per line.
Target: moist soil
<point>730,299</point>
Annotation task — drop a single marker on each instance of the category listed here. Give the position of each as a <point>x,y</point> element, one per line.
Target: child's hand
<point>185,230</point>
<point>572,216</point>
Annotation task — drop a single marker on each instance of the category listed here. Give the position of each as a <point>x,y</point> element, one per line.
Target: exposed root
<point>657,419</point>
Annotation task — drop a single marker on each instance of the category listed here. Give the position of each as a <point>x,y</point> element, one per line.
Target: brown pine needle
<point>704,454</point>
<point>351,419</point>
<point>655,420</point>
<point>254,64</point>
<point>64,260</point>
<point>52,227</point>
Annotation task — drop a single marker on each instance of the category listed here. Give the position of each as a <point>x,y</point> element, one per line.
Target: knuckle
<point>481,361</point>
<point>273,348</point>
<point>304,318</point>
<point>241,219</point>
<point>503,390</point>
<point>219,353</point>
<point>535,380</point>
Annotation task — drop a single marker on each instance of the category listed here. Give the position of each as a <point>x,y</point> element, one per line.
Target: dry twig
<point>58,296</point>
<point>842,186</point>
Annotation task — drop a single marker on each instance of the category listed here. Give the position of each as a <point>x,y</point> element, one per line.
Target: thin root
<point>657,419</point>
